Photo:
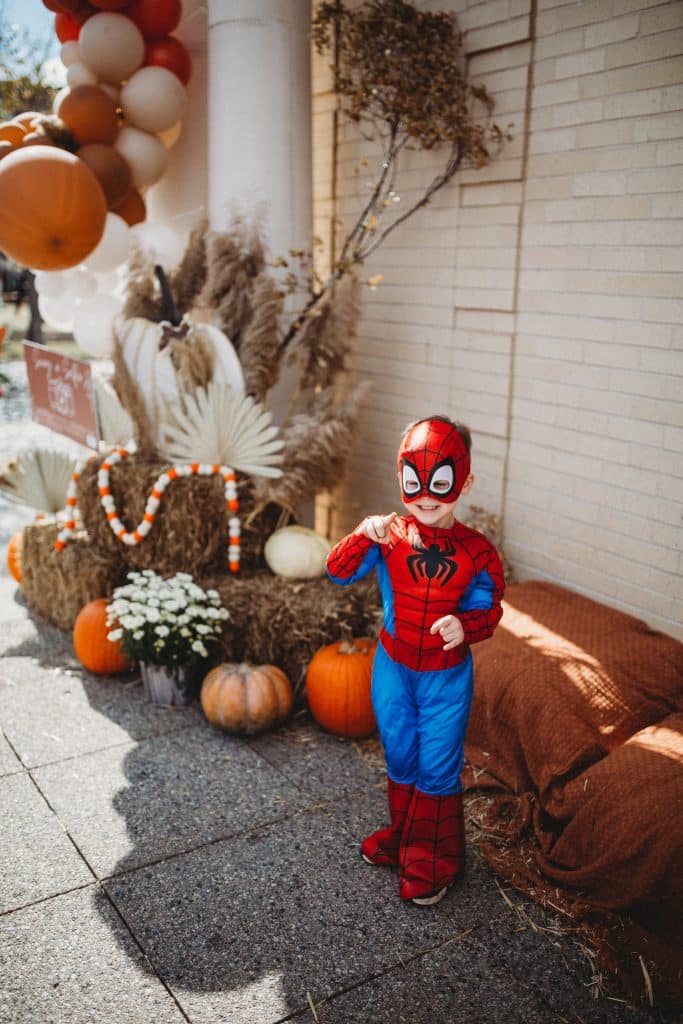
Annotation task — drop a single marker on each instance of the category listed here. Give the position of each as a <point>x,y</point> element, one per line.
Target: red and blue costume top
<point>424,573</point>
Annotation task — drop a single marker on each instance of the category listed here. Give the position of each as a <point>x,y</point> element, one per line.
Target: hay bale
<point>190,531</point>
<point>284,622</point>
<point>57,584</point>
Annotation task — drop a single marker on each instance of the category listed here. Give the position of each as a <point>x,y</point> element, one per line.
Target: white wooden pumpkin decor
<point>147,350</point>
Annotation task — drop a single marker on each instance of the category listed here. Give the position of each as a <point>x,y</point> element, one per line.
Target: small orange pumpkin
<point>14,557</point>
<point>338,687</point>
<point>93,649</point>
<point>246,699</point>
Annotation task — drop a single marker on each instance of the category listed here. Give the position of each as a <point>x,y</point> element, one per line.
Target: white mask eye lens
<point>410,482</point>
<point>442,480</point>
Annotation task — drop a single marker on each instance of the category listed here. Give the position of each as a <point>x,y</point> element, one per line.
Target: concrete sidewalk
<point>154,869</point>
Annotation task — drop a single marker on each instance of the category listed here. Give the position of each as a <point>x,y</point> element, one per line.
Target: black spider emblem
<point>433,563</point>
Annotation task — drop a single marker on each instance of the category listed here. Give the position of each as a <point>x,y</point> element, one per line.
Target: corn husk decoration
<point>38,478</point>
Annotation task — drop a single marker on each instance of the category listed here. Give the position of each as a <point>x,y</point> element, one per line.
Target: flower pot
<point>170,684</point>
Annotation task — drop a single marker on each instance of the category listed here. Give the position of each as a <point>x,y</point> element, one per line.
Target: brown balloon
<point>111,170</point>
<point>132,209</point>
<point>90,115</point>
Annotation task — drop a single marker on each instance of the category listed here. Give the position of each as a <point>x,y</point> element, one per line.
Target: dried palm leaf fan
<point>38,478</point>
<point>215,425</point>
<point>116,424</point>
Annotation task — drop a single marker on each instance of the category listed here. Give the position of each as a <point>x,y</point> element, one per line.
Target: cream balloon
<point>51,284</point>
<point>171,135</point>
<point>153,99</point>
<point>113,248</point>
<point>159,243</point>
<point>58,312</point>
<point>80,74</point>
<point>112,46</point>
<point>93,324</point>
<point>69,53</point>
<point>146,156</point>
<point>57,101</point>
<point>80,283</point>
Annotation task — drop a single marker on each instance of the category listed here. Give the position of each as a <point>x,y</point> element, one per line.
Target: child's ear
<point>468,485</point>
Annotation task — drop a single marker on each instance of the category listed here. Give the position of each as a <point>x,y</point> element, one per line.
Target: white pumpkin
<point>296,552</point>
<point>152,369</point>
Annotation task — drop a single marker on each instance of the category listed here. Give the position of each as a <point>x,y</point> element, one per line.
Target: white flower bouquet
<point>165,622</point>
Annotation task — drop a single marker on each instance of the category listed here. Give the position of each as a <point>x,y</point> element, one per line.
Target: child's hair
<point>460,427</point>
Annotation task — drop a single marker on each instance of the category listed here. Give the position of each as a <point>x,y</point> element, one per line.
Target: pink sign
<point>62,394</point>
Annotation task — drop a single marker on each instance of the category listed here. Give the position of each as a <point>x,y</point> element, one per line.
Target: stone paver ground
<point>155,870</point>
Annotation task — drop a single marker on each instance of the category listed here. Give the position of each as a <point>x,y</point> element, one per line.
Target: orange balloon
<point>132,209</point>
<point>52,208</point>
<point>13,133</point>
<point>90,114</point>
<point>111,170</point>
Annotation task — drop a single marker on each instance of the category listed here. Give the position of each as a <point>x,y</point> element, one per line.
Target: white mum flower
<point>115,635</point>
<point>162,630</point>
<point>199,647</point>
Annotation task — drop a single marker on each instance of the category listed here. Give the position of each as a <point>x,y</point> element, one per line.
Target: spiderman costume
<point>422,688</point>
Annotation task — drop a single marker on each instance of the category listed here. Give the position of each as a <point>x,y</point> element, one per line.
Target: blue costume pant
<point>422,719</point>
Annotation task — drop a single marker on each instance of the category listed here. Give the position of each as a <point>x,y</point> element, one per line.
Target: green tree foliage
<point>23,84</point>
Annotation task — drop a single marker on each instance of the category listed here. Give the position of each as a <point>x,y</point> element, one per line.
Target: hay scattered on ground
<point>57,584</point>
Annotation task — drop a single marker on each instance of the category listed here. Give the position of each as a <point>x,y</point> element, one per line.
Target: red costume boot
<point>432,848</point>
<point>381,847</point>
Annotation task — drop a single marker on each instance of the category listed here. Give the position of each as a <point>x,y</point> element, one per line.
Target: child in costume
<point>441,585</point>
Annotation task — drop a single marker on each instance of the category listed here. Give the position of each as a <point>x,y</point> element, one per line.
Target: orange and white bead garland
<point>160,485</point>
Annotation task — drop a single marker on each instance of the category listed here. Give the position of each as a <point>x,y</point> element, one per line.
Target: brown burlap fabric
<point>577,728</point>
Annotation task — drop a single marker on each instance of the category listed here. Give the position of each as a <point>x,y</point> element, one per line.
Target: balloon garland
<point>135,536</point>
<point>72,185</point>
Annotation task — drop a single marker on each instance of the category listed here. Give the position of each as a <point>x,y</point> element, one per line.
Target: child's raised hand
<point>376,528</point>
<point>451,631</point>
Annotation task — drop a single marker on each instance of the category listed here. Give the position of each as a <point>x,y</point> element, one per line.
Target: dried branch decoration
<point>397,72</point>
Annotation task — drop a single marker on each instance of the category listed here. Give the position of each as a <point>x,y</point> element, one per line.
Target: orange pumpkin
<point>338,687</point>
<point>93,649</point>
<point>246,699</point>
<point>52,208</point>
<point>14,557</point>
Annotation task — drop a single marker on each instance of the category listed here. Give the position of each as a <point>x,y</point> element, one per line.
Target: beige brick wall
<point>540,300</point>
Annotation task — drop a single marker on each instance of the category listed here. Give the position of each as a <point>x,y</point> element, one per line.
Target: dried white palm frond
<point>216,425</point>
<point>38,478</point>
<point>116,425</point>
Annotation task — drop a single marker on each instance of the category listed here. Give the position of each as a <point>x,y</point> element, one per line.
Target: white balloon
<point>171,135</point>
<point>112,46</point>
<point>159,243</point>
<point>146,156</point>
<point>69,53</point>
<point>58,313</point>
<point>93,324</point>
<point>80,74</point>
<point>50,283</point>
<point>114,246</point>
<point>111,282</point>
<point>57,101</point>
<point>153,99</point>
<point>80,283</point>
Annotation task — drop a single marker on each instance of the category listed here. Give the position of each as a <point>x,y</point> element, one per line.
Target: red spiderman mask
<point>433,460</point>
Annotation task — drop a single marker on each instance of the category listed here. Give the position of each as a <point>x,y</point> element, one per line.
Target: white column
<point>259,106</point>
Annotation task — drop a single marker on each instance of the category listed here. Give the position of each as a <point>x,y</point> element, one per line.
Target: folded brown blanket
<point>577,727</point>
